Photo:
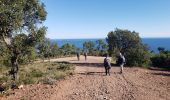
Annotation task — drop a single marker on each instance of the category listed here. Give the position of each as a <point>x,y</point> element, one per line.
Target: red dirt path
<point>90,83</point>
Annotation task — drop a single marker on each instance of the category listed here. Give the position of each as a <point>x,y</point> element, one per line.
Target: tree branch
<point>5,41</point>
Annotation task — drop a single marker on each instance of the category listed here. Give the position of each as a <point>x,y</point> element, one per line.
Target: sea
<point>153,43</point>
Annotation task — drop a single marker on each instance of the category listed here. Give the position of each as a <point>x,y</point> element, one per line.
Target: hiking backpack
<point>107,63</point>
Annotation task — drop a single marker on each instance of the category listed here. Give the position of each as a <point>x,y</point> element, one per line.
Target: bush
<point>138,57</point>
<point>64,67</point>
<point>161,60</point>
<point>59,75</point>
<point>130,44</point>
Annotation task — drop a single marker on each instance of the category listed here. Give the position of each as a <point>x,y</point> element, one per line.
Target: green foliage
<point>20,15</point>
<point>68,49</point>
<point>101,47</point>
<point>20,29</point>
<point>98,48</point>
<point>4,55</point>
<point>130,44</point>
<point>89,46</point>
<point>138,56</point>
<point>55,52</point>
<point>161,49</point>
<point>47,50</point>
<point>27,52</point>
<point>44,48</point>
<point>64,67</point>
<point>162,59</point>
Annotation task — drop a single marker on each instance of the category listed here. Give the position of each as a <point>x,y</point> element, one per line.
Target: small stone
<point>21,86</point>
<point>75,93</point>
<point>107,92</point>
<point>104,97</point>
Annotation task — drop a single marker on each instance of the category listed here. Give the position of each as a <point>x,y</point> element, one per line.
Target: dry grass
<point>46,73</point>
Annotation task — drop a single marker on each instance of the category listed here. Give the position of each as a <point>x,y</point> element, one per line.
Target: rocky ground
<point>90,83</point>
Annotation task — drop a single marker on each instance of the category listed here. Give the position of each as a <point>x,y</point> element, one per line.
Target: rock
<point>75,93</point>
<point>107,92</point>
<point>105,97</point>
<point>21,86</point>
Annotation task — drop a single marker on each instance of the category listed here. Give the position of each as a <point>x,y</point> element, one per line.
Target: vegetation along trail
<point>90,83</point>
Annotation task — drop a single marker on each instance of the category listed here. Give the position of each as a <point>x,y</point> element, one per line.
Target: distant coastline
<point>153,43</point>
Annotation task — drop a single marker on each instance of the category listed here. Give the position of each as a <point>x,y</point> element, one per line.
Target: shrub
<point>64,67</point>
<point>59,75</point>
<point>130,44</point>
<point>161,60</point>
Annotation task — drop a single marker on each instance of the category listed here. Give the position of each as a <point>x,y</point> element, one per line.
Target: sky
<point>78,19</point>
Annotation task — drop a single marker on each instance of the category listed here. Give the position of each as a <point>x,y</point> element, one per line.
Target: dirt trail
<point>90,83</point>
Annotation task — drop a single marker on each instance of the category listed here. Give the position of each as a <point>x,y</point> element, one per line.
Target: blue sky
<point>70,19</point>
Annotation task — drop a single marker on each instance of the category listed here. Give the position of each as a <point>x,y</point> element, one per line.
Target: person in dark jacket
<point>107,64</point>
<point>78,56</point>
<point>85,55</point>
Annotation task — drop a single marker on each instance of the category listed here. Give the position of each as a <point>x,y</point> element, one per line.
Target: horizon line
<point>106,37</point>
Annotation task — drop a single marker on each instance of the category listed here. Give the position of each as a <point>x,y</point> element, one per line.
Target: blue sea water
<point>153,43</point>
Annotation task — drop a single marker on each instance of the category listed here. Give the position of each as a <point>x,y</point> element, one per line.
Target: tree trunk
<point>49,59</point>
<point>14,57</point>
<point>15,68</point>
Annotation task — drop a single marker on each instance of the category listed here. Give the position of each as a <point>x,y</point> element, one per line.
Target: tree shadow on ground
<point>98,73</point>
<point>93,73</point>
<point>73,60</point>
<point>162,74</point>
<point>64,62</point>
<point>92,64</point>
<point>159,69</point>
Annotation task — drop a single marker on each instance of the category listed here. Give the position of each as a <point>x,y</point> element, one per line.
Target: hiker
<point>121,62</point>
<point>78,56</point>
<point>107,64</point>
<point>85,55</point>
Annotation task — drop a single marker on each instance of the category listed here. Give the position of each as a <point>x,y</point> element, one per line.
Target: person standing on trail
<point>107,64</point>
<point>121,61</point>
<point>78,56</point>
<point>85,55</point>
